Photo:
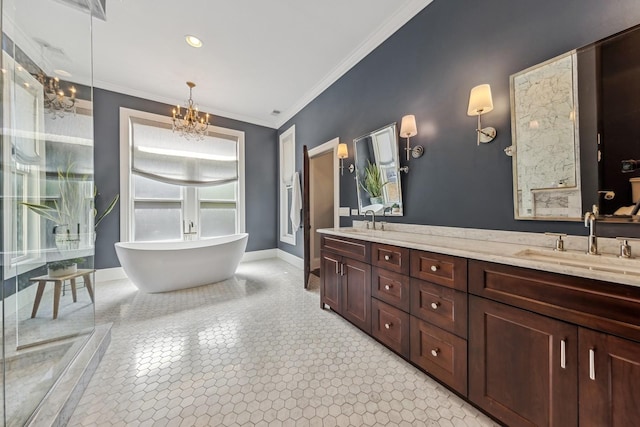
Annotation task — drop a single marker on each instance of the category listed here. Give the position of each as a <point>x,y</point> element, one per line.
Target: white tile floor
<point>253,350</point>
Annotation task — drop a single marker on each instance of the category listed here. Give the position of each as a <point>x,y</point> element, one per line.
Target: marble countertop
<point>530,250</point>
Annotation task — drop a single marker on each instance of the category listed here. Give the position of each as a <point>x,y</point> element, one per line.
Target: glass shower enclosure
<point>47,197</point>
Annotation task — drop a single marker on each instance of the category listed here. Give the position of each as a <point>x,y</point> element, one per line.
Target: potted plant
<point>63,267</point>
<point>372,183</point>
<point>67,213</point>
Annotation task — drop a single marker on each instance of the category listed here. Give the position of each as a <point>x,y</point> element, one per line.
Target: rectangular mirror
<point>546,164</point>
<point>575,122</point>
<point>377,175</point>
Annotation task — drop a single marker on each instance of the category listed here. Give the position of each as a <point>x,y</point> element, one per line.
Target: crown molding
<point>101,84</point>
<point>383,32</point>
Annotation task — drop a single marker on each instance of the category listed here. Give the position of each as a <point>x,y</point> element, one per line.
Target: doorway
<point>324,197</point>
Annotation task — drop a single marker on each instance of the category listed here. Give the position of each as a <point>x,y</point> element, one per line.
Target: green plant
<point>70,209</point>
<point>65,263</point>
<point>372,180</point>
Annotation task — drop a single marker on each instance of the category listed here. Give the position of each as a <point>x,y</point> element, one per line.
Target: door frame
<point>328,147</point>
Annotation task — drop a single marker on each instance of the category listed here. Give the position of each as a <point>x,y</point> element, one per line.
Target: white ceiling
<point>257,56</point>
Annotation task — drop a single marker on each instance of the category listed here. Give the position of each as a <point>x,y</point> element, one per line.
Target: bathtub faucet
<point>188,229</point>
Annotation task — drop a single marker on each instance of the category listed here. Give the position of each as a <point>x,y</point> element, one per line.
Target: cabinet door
<point>519,369</point>
<point>330,281</point>
<point>356,293</point>
<point>609,378</point>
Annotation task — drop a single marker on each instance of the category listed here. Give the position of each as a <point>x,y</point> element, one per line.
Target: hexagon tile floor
<point>252,350</point>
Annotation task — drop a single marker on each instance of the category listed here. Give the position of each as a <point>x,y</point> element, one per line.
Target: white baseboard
<point>258,255</point>
<point>291,259</point>
<point>106,274</point>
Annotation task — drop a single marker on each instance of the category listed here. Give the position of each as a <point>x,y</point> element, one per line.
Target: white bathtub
<point>169,266</point>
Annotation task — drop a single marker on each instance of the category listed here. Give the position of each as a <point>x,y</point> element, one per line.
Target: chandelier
<point>190,124</point>
<point>55,99</point>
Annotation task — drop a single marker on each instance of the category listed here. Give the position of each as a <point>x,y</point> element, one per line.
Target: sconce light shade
<point>408,126</point>
<point>343,152</point>
<point>480,100</point>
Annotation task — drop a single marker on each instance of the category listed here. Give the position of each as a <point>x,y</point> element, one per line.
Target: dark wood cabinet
<point>529,347</point>
<point>439,353</point>
<point>390,326</point>
<point>522,366</point>
<point>345,283</point>
<point>609,379</point>
<point>355,285</point>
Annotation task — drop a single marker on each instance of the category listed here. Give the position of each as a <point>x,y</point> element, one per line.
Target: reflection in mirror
<point>576,132</point>
<point>377,178</point>
<point>547,157</point>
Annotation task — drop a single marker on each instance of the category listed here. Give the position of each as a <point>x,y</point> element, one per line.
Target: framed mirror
<point>546,163</point>
<point>576,133</point>
<point>377,175</point>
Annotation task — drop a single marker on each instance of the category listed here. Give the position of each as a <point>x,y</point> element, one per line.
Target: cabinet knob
<point>435,305</point>
<point>434,268</point>
<point>387,325</point>
<point>435,352</point>
<point>387,287</point>
<point>387,257</point>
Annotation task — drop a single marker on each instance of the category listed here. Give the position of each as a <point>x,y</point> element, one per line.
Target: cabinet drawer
<point>603,306</point>
<point>442,306</point>
<point>352,248</point>
<point>440,353</point>
<point>390,287</point>
<point>390,326</point>
<point>444,270</point>
<point>390,258</point>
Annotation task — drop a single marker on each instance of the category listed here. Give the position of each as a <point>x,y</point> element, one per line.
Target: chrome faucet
<point>384,217</point>
<point>590,221</point>
<point>373,218</point>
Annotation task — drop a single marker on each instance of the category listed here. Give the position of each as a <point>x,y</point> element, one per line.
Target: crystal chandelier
<point>190,124</point>
<point>55,99</point>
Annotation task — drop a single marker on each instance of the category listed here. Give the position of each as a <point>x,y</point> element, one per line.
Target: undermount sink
<point>604,263</point>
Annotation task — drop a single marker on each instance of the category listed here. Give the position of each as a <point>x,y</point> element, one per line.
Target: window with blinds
<point>182,188</point>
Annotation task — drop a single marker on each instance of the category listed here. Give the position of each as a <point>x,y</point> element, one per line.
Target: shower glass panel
<point>47,198</point>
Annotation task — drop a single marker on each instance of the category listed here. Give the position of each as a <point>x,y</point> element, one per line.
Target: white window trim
<point>126,205</point>
<point>35,240</point>
<point>285,237</point>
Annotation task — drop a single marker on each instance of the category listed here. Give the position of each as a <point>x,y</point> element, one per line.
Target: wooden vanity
<point>529,347</point>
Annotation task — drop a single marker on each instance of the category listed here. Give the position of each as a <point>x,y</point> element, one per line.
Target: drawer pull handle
<point>434,268</point>
<point>592,364</point>
<point>387,287</point>
<point>388,325</point>
<point>387,257</point>
<point>563,354</point>
<point>435,352</point>
<point>435,305</point>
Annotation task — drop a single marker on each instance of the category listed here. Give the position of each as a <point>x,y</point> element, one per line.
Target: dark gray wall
<point>261,152</point>
<point>427,68</point>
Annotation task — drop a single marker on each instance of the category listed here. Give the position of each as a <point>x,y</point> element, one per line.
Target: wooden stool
<point>58,281</point>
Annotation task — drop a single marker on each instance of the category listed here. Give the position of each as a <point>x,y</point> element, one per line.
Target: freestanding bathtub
<point>169,266</point>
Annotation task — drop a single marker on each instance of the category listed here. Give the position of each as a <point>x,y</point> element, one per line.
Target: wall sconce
<point>343,153</point>
<point>408,129</point>
<point>481,102</point>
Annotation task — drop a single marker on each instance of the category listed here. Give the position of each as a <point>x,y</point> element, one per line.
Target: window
<point>23,160</point>
<point>287,170</point>
<point>173,188</point>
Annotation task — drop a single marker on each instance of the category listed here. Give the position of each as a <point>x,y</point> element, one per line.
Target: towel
<point>296,203</point>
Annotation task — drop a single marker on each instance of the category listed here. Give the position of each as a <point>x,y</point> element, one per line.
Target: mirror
<point>377,180</point>
<point>546,163</point>
<point>576,133</point>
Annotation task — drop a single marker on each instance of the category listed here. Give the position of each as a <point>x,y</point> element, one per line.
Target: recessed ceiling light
<point>62,73</point>
<point>193,41</point>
